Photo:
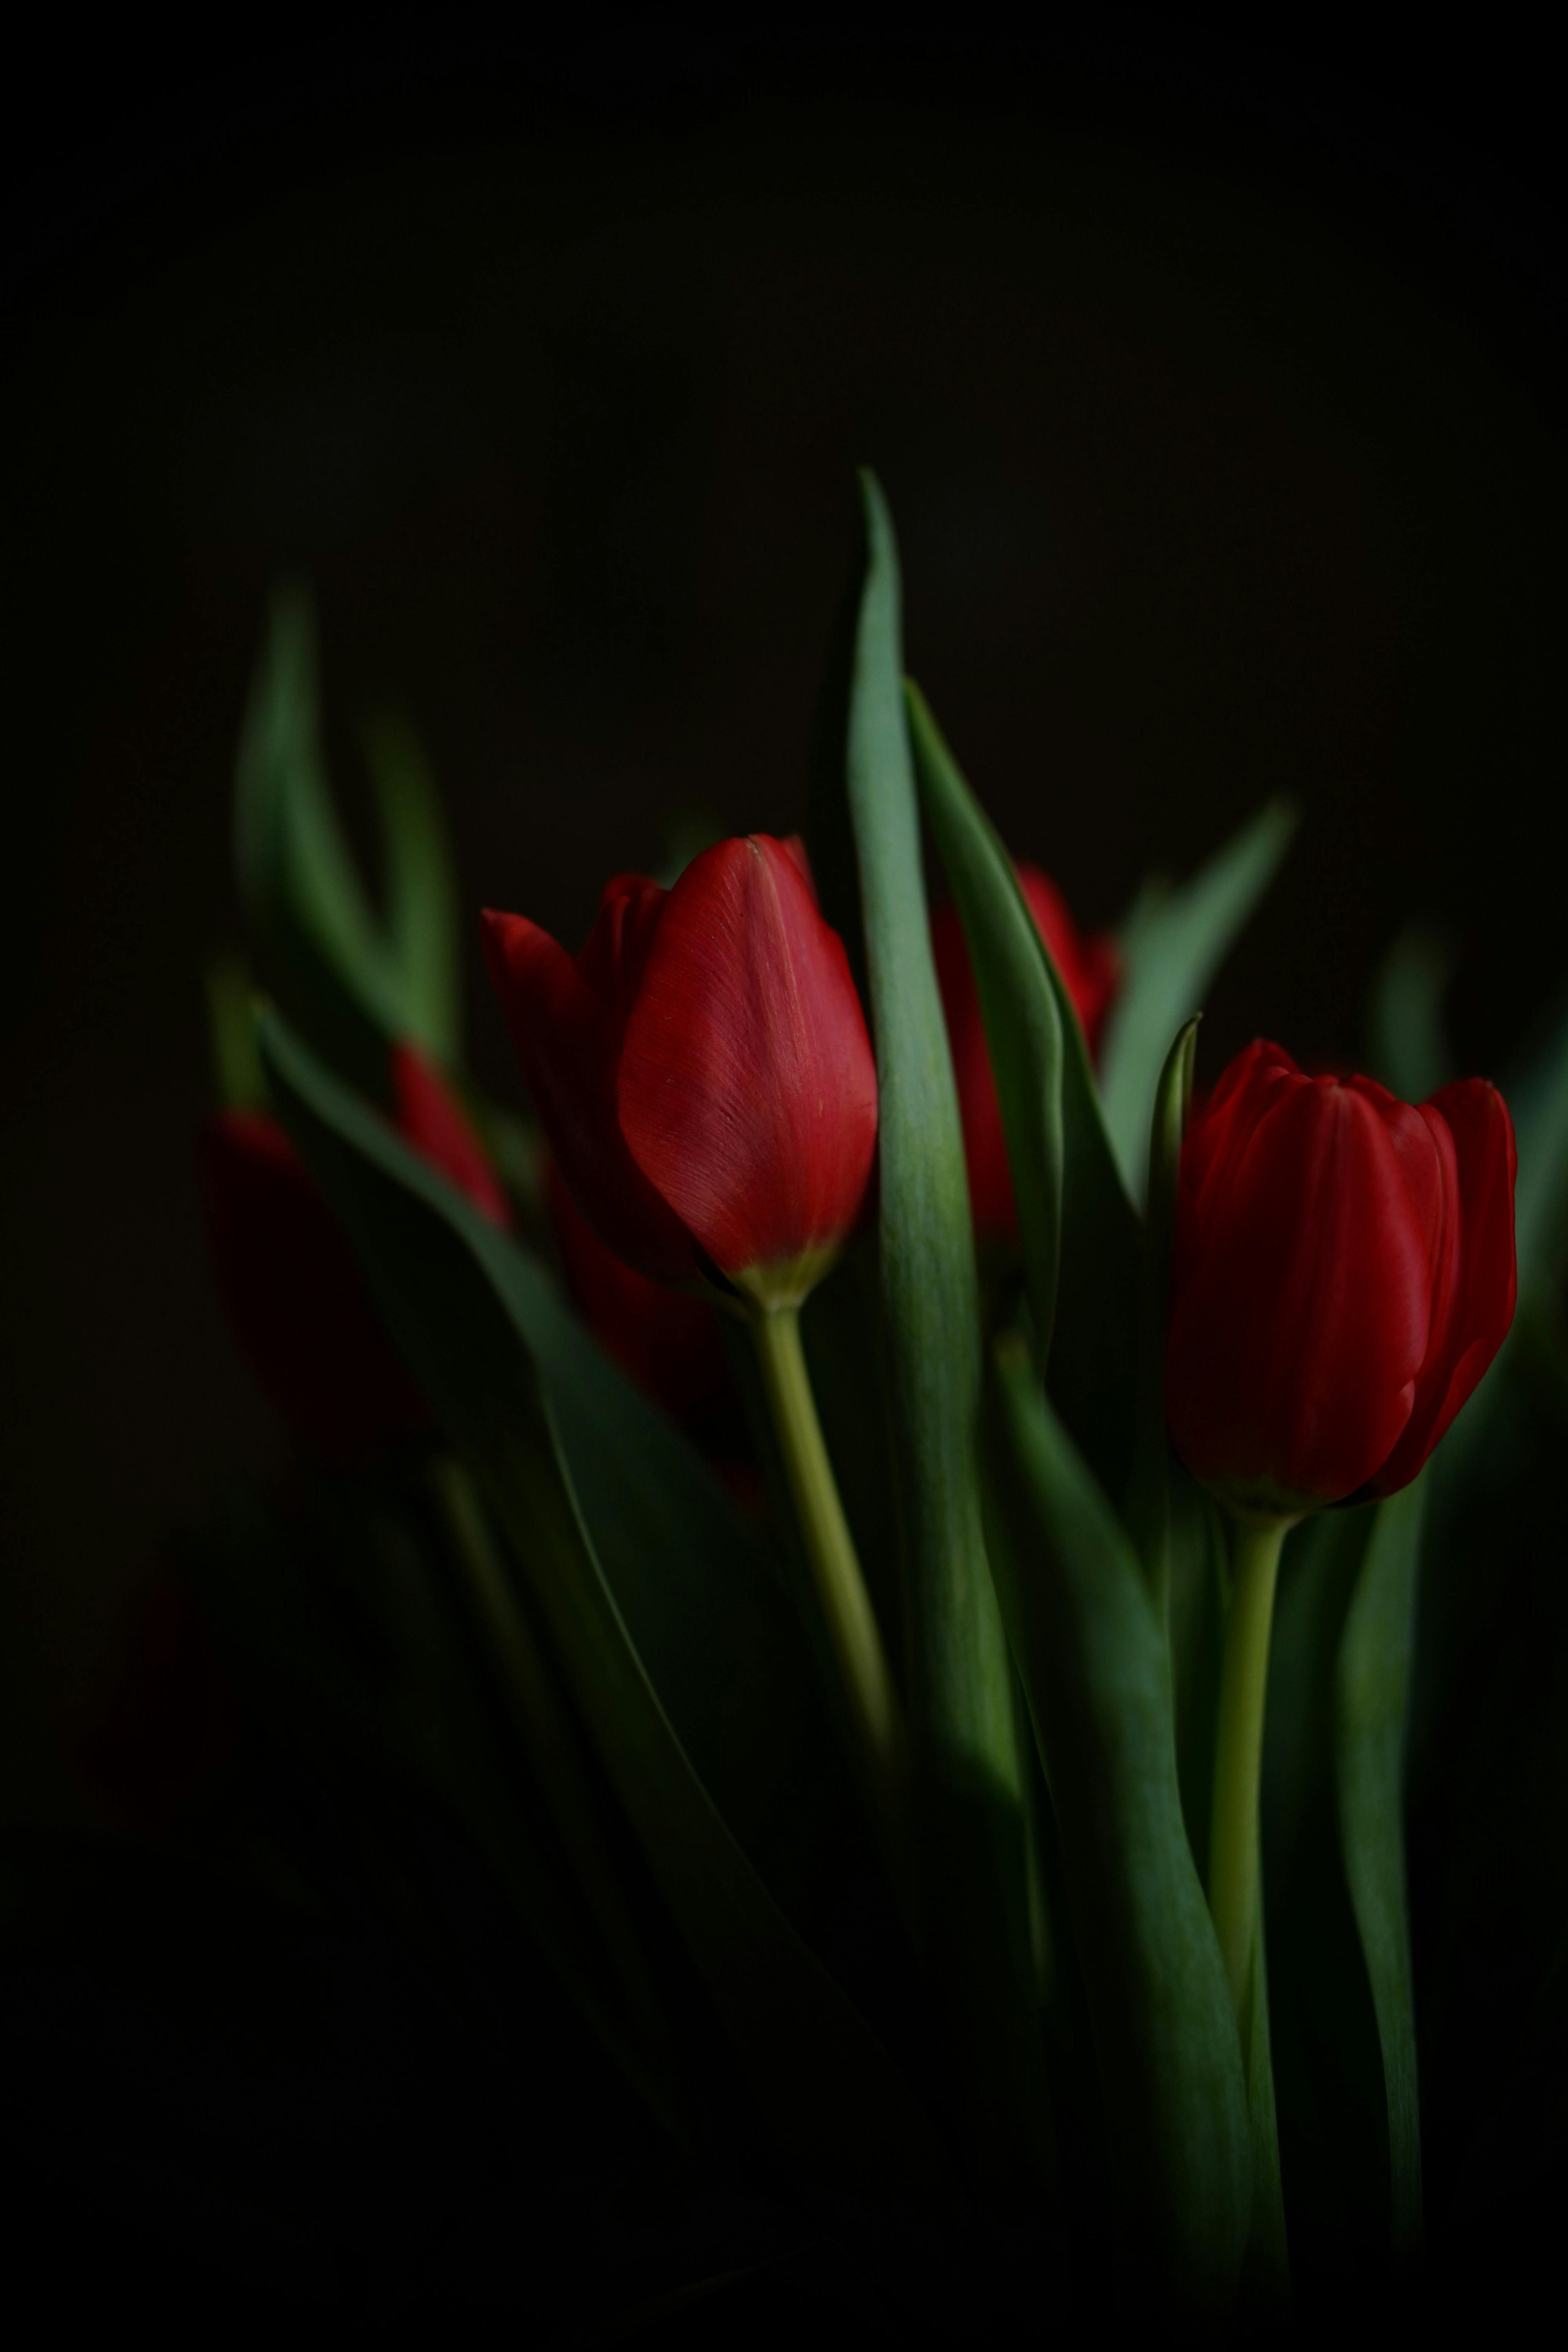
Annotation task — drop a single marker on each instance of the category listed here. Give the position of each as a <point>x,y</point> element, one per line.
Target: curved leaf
<point>297,877</point>
<point>1171,951</point>
<point>1075,1219</point>
<point>960,1702</point>
<point>680,1654</point>
<point>1018,1005</point>
<point>421,928</point>
<point>1372,1693</point>
<point>1093,1660</point>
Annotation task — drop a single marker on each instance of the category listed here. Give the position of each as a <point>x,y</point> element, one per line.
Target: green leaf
<point>1266,2277</point>
<point>421,926</point>
<point>1080,1235</point>
<point>1092,1656</point>
<point>1372,1694</point>
<point>1539,1102</point>
<point>958,1683</point>
<point>1406,1047</point>
<point>231,1027</point>
<point>1335,1885</point>
<point>683,1662</point>
<point>296,879</point>
<point>1017,1005</point>
<point>1171,949</point>
<point>1148,1507</point>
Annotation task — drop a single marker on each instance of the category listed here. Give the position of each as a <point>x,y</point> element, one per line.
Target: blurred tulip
<point>1342,1274</point>
<point>289,1285</point>
<point>670,1344</point>
<point>1089,969</point>
<point>701,1070</point>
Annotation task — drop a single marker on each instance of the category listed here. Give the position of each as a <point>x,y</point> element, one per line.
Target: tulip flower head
<point>1342,1274</point>
<point>1089,970</point>
<point>701,1070</point>
<point>291,1287</point>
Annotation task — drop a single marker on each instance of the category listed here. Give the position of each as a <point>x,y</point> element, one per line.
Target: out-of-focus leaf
<point>1406,1047</point>
<point>683,1662</point>
<point>1093,1659</point>
<point>1079,1231</point>
<point>550,1742</point>
<point>1017,1002</point>
<point>421,925</point>
<point>1335,1888</point>
<point>1171,949</point>
<point>959,1695</point>
<point>297,877</point>
<point>1539,1102</point>
<point>231,1024</point>
<point>1372,1691</point>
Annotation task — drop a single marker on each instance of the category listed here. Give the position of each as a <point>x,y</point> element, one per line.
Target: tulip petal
<point>747,1092</point>
<point>1301,1301</point>
<point>567,1019</point>
<point>1472,1313</point>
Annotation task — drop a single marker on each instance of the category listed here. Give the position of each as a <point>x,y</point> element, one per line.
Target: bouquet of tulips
<point>818,1490</point>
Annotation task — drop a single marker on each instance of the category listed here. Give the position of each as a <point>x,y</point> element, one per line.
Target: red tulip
<point>1342,1275</point>
<point>1089,969</point>
<point>289,1281</point>
<point>670,1344</point>
<point>701,1069</point>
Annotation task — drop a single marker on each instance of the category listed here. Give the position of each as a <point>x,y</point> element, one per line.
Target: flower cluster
<point>1052,1406</point>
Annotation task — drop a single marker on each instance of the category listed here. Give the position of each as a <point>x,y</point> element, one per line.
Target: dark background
<point>1217,391</point>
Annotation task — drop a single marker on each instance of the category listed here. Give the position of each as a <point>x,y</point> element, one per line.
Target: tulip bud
<point>289,1281</point>
<point>701,1070</point>
<point>1342,1274</point>
<point>1089,970</point>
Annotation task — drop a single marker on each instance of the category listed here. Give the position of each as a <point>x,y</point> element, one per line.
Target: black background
<point>1218,391</point>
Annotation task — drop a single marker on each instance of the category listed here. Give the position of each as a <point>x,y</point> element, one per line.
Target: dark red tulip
<point>670,1343</point>
<point>1342,1275</point>
<point>289,1281</point>
<point>1089,969</point>
<point>702,1069</point>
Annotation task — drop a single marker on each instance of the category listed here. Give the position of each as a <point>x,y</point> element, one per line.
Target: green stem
<point>1238,1744</point>
<point>852,1630</point>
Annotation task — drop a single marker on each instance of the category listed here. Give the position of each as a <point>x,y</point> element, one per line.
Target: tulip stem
<point>852,1630</point>
<point>1233,1858</point>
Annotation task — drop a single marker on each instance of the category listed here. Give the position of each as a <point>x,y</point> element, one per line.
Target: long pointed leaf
<point>1092,1656</point>
<point>960,1701</point>
<point>1372,1692</point>
<point>1170,951</point>
<point>421,887</point>
<point>1018,1006</point>
<point>1078,1232</point>
<point>297,877</point>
